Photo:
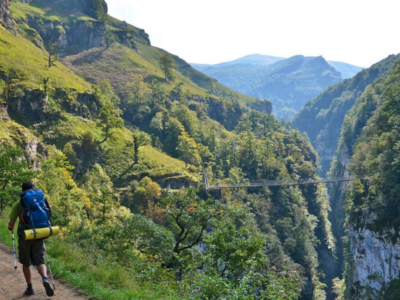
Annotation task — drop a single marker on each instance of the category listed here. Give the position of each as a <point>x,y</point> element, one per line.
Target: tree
<point>138,99</point>
<point>189,217</point>
<point>109,118</point>
<point>99,10</point>
<point>110,38</point>
<point>53,54</point>
<point>167,64</point>
<point>145,193</point>
<point>187,149</point>
<point>100,190</point>
<point>46,84</point>
<point>139,139</point>
<point>13,172</point>
<point>66,199</point>
<point>157,123</point>
<point>173,128</point>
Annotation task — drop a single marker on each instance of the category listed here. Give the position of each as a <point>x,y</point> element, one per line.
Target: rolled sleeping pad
<point>41,233</point>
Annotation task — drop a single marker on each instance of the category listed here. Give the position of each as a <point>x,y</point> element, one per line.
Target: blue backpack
<point>35,211</point>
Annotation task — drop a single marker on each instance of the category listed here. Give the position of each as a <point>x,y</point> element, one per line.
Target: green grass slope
<point>132,55</point>
<point>17,52</point>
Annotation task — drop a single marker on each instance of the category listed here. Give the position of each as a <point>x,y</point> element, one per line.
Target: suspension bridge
<point>261,183</point>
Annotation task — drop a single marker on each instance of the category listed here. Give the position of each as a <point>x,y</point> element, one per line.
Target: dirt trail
<point>12,283</point>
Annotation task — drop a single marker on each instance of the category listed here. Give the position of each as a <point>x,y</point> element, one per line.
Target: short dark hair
<point>28,185</point>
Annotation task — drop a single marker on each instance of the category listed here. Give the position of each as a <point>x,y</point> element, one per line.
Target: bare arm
<point>11,224</point>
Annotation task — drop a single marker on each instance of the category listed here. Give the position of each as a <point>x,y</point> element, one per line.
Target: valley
<point>172,180</point>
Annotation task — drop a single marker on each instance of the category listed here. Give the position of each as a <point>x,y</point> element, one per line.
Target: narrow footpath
<point>12,283</point>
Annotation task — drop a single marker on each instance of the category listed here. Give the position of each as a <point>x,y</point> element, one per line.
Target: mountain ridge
<point>287,82</point>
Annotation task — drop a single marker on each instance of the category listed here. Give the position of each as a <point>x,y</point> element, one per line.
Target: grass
<point>119,63</point>
<point>12,132</point>
<point>48,11</point>
<point>93,275</point>
<point>18,53</point>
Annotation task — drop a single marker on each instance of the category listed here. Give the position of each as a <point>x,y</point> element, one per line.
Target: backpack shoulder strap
<point>48,206</point>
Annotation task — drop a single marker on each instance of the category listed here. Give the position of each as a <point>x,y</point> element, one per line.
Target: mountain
<point>253,59</point>
<point>350,124</point>
<point>346,70</point>
<point>287,83</point>
<point>262,76</point>
<point>322,117</point>
<point>365,213</point>
<point>120,150</point>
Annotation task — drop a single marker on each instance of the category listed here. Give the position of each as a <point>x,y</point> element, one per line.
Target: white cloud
<point>360,32</point>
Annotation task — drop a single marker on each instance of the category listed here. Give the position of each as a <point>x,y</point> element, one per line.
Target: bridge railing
<point>301,181</point>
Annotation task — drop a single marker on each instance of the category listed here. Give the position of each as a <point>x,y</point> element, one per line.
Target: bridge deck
<point>282,182</point>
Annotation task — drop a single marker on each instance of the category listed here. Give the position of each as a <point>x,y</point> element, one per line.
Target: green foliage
<point>144,195</point>
<point>370,137</point>
<point>339,288</point>
<point>167,64</point>
<point>139,139</point>
<point>187,149</point>
<point>100,190</point>
<point>376,152</point>
<point>99,10</point>
<point>53,54</point>
<point>13,172</point>
<point>137,100</point>
<point>109,118</point>
<point>11,87</point>
<point>108,197</point>
<point>66,199</point>
<point>322,117</point>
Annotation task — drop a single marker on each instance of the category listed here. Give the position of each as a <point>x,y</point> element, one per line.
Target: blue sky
<point>213,31</point>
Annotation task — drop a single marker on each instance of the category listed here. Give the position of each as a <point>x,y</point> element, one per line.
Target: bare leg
<point>27,274</point>
<point>42,270</point>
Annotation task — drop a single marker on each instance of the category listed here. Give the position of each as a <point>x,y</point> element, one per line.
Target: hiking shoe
<point>48,287</point>
<point>29,292</point>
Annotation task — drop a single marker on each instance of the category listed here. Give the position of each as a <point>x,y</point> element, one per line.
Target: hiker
<point>31,252</point>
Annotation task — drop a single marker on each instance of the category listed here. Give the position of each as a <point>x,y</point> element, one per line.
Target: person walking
<point>31,252</point>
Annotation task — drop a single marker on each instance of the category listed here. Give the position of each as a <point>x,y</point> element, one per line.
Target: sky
<point>359,32</point>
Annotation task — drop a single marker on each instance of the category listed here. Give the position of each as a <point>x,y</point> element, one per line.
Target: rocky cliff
<point>71,37</point>
<point>6,18</point>
<point>369,145</point>
<point>375,261</point>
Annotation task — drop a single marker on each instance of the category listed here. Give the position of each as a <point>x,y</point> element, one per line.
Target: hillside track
<point>12,283</point>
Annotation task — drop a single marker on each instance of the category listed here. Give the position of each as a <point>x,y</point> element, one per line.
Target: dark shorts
<point>31,252</point>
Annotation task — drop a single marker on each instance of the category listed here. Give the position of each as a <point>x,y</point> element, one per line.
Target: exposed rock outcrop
<point>375,261</point>
<point>72,39</point>
<point>6,18</point>
<point>34,152</point>
<point>262,106</point>
<point>30,107</point>
<point>84,6</point>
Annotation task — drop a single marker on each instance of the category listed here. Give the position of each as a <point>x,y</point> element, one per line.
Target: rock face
<point>88,6</point>
<point>85,6</point>
<point>72,39</point>
<point>82,36</point>
<point>376,261</point>
<point>30,107</point>
<point>6,18</point>
<point>33,150</point>
<point>262,106</point>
